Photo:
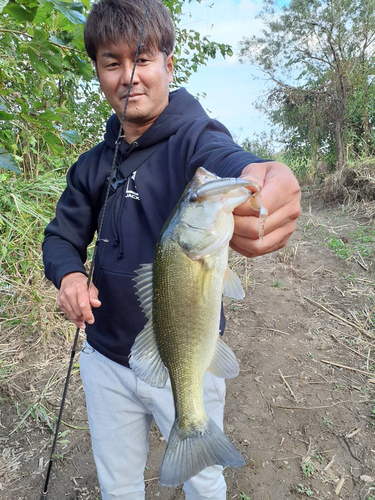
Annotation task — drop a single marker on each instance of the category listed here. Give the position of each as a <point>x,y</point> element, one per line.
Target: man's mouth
<point>133,95</point>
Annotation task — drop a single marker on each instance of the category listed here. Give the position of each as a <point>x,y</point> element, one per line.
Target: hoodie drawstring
<point>119,198</point>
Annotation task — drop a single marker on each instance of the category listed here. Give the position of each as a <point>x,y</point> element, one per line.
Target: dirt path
<point>302,410</point>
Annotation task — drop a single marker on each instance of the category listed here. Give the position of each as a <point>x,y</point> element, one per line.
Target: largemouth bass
<point>181,294</point>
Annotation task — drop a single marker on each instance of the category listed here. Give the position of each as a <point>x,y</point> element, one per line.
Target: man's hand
<point>281,196</point>
<point>76,301</point>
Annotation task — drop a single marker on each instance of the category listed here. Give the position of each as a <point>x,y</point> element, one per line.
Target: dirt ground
<point>302,410</point>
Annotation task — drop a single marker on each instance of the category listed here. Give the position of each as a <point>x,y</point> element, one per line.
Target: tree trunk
<point>341,154</point>
<point>338,145</point>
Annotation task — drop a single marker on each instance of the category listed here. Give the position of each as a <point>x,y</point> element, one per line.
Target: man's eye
<point>142,60</point>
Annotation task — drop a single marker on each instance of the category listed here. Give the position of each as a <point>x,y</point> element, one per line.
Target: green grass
<point>304,490</point>
<point>360,242</point>
<point>244,497</point>
<point>340,248</point>
<point>308,469</point>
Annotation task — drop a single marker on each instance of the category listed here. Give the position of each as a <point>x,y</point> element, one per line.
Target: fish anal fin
<point>232,285</point>
<point>203,449</point>
<point>145,358</point>
<point>224,363</point>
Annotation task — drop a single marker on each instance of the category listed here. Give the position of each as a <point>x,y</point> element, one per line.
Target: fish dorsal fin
<point>145,359</point>
<point>232,285</point>
<point>224,363</point>
<point>143,284</point>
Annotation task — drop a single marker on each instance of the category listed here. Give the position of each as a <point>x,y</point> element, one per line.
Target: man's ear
<point>169,64</point>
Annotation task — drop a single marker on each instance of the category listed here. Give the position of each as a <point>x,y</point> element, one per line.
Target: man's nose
<point>127,70</point>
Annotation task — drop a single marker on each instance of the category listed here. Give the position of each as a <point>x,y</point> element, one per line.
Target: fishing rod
<point>120,137</point>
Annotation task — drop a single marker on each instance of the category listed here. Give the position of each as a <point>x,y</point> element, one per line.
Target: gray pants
<point>120,409</point>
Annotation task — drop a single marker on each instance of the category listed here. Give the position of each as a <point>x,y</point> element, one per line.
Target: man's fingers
<point>248,226</point>
<point>271,242</point>
<point>75,300</point>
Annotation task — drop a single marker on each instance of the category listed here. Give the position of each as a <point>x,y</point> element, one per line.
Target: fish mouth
<point>219,186</point>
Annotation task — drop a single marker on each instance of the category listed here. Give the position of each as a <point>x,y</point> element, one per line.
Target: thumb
<point>94,294</point>
<point>255,172</point>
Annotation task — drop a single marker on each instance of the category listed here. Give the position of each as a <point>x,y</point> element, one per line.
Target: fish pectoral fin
<point>185,456</point>
<point>145,359</point>
<point>224,363</point>
<point>232,286</point>
<point>143,284</point>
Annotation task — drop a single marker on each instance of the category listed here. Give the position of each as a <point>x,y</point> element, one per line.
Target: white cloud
<point>230,87</point>
<point>225,21</point>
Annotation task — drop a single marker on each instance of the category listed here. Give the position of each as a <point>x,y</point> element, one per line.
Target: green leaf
<point>59,41</point>
<point>49,116</point>
<point>5,116</point>
<point>55,61</point>
<point>3,4</point>
<point>43,13</point>
<point>7,162</point>
<point>84,67</point>
<point>71,136</point>
<point>77,37</point>
<point>54,142</point>
<point>37,63</point>
<point>72,11</point>
<point>19,13</point>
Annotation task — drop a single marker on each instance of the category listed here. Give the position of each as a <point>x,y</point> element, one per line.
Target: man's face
<point>150,89</point>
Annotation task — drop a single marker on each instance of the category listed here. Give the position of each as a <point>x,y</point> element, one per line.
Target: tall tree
<point>49,103</point>
<point>319,56</point>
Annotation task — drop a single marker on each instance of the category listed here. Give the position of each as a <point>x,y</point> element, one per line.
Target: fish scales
<point>189,356</point>
<point>181,294</point>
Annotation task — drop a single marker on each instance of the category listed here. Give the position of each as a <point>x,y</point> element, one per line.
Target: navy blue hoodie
<point>135,214</point>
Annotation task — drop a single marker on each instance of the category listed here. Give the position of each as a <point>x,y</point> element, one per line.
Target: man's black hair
<point>112,21</point>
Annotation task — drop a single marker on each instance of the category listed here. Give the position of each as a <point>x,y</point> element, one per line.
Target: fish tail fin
<point>186,456</point>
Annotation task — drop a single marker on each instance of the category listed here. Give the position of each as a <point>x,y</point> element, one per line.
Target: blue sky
<point>230,86</point>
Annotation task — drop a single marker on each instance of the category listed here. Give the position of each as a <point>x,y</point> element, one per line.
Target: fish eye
<point>193,196</point>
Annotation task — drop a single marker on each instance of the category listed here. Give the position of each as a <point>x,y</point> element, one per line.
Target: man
<point>173,136</point>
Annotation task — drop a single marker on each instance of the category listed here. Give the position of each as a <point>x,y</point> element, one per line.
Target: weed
<point>276,284</point>
<point>319,457</point>
<point>308,469</point>
<point>361,243</point>
<point>302,489</point>
<point>327,422</point>
<point>244,497</point>
<point>364,235</point>
<point>349,277</point>
<point>339,247</point>
<point>309,355</point>
<point>61,437</point>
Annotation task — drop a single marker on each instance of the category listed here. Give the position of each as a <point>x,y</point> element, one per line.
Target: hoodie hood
<point>182,109</point>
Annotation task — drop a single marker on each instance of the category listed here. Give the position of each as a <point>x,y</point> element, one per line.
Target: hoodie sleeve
<point>216,151</point>
<point>70,232</point>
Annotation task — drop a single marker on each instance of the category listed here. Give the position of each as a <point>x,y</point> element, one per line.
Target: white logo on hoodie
<point>131,188</point>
